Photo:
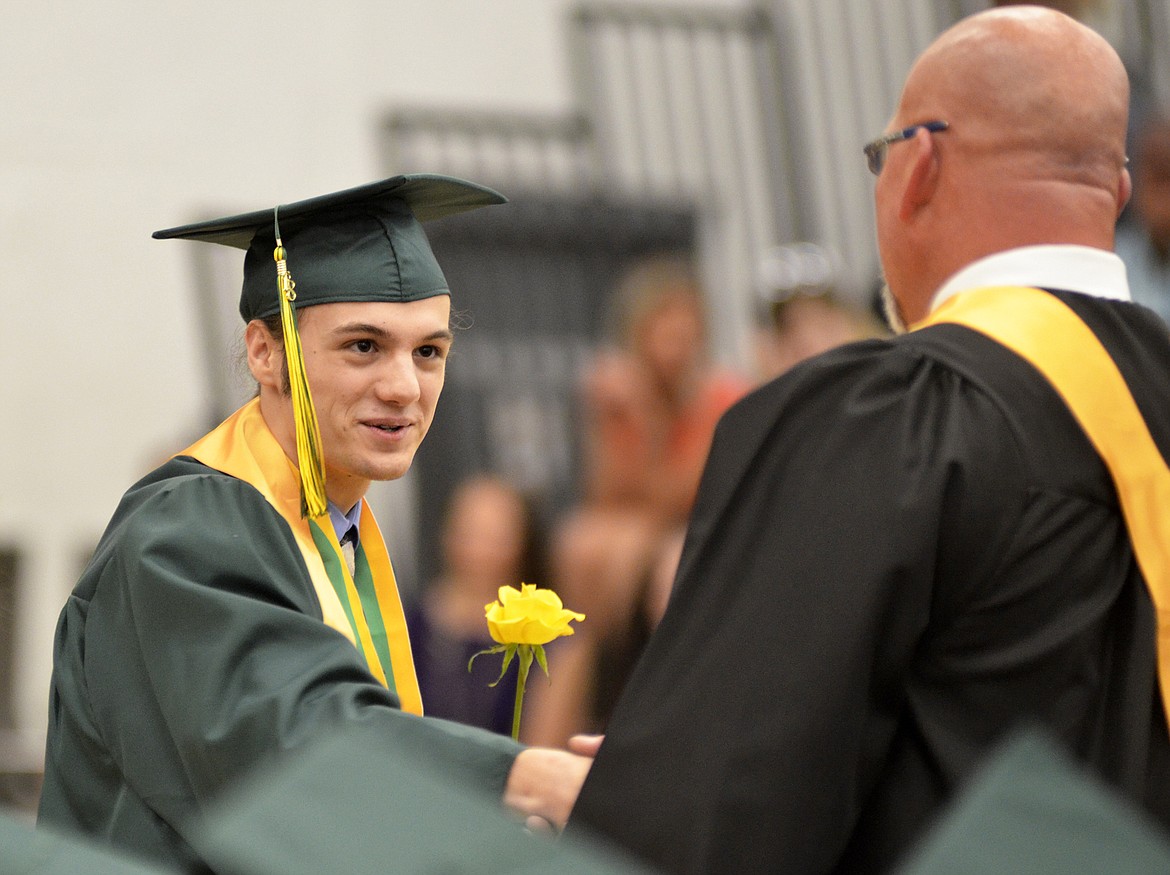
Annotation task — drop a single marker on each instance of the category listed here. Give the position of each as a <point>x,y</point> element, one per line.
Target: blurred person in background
<point>649,409</point>
<point>799,310</point>
<point>1143,242</point>
<point>489,540</point>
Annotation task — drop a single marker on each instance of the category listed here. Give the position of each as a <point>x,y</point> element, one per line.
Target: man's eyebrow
<point>381,333</point>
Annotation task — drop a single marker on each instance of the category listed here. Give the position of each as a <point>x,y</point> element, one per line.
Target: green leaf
<point>509,651</point>
<point>499,648</point>
<point>541,658</point>
<point>525,661</point>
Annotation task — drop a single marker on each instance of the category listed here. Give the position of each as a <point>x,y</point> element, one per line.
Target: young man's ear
<point>923,178</point>
<point>265,355</point>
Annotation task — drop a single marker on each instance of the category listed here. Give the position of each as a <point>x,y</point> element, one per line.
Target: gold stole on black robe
<point>1043,330</point>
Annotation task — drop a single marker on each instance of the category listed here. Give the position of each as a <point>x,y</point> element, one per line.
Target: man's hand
<point>544,782</point>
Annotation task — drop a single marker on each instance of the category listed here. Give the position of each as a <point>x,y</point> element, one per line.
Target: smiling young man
<point>241,604</point>
<point>376,378</point>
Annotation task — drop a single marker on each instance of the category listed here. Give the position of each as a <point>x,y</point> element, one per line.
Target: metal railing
<point>513,150</point>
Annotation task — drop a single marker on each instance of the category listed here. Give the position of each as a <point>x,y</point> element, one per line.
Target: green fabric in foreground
<point>1030,809</point>
<point>28,851</point>
<point>357,803</point>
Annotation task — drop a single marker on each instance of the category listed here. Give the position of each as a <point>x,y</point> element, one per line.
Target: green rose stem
<point>526,653</point>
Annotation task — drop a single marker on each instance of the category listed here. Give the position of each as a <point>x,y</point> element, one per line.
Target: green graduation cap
<point>360,244</point>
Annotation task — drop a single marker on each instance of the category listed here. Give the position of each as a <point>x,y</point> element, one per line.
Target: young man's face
<point>375,370</point>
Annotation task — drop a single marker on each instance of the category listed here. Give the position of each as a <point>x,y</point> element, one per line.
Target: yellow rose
<point>528,616</point>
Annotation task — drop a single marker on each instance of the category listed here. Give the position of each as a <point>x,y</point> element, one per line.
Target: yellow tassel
<point>310,459</point>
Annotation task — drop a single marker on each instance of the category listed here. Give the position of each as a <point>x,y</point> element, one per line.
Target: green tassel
<point>310,459</point>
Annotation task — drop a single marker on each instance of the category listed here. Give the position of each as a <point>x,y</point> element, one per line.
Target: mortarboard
<point>360,244</point>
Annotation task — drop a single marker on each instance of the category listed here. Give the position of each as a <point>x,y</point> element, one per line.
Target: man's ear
<point>923,178</point>
<point>265,355</point>
<point>1124,190</point>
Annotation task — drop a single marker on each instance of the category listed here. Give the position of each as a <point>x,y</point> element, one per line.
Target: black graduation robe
<point>899,552</point>
<point>191,653</point>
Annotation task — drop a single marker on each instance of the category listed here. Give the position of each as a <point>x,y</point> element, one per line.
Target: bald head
<point>1026,83</point>
<point>1035,150</point>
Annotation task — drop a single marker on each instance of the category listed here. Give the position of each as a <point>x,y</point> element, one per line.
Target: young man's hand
<point>544,782</point>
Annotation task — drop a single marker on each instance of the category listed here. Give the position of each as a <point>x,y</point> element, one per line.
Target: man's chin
<point>371,472</point>
<point>392,471</point>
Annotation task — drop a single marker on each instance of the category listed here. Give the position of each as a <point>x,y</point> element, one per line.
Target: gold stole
<point>1043,330</point>
<point>244,447</point>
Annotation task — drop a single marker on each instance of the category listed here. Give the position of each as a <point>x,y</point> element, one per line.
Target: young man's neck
<point>277,414</point>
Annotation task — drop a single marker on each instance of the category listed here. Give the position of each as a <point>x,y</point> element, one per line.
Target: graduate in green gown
<point>241,603</point>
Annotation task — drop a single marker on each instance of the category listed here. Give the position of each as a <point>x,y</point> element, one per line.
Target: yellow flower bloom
<point>528,616</point>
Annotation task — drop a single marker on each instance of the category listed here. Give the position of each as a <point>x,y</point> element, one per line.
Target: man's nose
<point>397,381</point>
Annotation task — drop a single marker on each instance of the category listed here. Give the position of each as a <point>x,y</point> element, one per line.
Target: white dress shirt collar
<point>1066,267</point>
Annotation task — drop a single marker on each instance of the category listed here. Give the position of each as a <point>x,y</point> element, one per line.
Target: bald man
<point>904,549</point>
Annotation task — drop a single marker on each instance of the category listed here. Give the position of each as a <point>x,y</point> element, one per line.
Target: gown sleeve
<point>205,656</point>
<point>769,697</point>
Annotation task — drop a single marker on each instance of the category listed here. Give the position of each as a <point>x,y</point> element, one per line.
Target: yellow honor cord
<point>310,459</point>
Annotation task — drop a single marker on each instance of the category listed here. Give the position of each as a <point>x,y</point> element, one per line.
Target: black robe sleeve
<point>860,572</point>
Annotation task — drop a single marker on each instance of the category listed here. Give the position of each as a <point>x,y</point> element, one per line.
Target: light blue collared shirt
<point>1066,267</point>
<point>343,521</point>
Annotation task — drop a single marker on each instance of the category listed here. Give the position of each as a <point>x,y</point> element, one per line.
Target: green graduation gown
<point>899,551</point>
<point>192,651</point>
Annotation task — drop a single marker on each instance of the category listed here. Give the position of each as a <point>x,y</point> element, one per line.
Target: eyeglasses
<point>875,152</point>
